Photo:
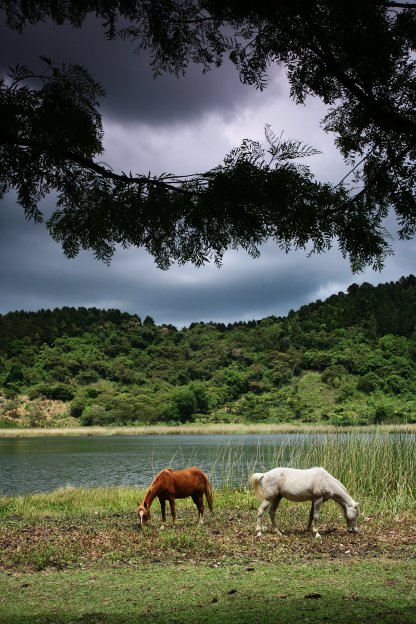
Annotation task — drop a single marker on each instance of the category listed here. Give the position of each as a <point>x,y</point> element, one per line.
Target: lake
<point>42,464</point>
<point>46,463</point>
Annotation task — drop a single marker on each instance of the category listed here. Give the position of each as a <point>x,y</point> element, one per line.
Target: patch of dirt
<point>227,537</point>
<point>18,410</point>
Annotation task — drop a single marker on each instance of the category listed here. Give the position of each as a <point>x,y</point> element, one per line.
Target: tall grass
<point>203,429</point>
<point>70,501</point>
<point>377,469</point>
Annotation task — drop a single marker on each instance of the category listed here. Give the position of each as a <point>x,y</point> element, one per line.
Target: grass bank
<point>360,592</point>
<point>204,429</point>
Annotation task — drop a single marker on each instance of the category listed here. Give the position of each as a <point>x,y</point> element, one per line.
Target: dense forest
<point>350,359</point>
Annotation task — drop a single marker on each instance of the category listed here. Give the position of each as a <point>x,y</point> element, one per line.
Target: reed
<point>205,429</point>
<point>377,469</point>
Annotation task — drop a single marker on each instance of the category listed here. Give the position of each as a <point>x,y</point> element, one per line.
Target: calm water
<point>43,464</point>
<point>46,463</point>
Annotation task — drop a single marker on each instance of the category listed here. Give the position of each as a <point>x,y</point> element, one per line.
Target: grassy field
<point>360,592</point>
<point>207,429</point>
<point>76,555</point>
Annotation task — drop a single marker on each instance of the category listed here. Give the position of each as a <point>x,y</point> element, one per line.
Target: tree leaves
<point>357,57</point>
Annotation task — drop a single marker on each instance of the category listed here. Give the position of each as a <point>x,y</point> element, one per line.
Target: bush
<point>87,377</point>
<point>383,414</point>
<point>315,360</point>
<point>35,414</point>
<point>95,415</point>
<point>78,405</point>
<point>170,413</point>
<point>368,383</point>
<point>344,416</point>
<point>333,375</point>
<point>395,384</point>
<point>186,403</point>
<point>57,392</point>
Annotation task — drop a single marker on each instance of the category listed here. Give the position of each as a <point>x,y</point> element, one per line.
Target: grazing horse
<point>170,484</point>
<point>314,484</point>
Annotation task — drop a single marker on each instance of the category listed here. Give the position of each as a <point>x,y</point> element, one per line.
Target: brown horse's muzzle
<point>144,516</point>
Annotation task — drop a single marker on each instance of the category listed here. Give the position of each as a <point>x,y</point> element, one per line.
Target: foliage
<point>51,133</point>
<point>349,360</point>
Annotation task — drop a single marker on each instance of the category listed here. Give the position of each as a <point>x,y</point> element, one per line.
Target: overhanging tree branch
<point>356,56</point>
<point>87,163</point>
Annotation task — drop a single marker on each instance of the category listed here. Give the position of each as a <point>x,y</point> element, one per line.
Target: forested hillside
<point>348,360</point>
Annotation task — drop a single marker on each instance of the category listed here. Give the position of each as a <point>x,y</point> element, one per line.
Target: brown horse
<point>170,484</point>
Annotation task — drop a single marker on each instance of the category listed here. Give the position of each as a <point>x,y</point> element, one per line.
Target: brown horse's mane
<point>152,486</point>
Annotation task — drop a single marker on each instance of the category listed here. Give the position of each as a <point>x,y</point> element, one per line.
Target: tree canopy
<point>347,360</point>
<point>357,57</point>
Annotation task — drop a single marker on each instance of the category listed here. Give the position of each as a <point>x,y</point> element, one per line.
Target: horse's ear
<point>146,506</point>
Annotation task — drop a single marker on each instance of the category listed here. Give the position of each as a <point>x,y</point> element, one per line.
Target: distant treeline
<point>347,360</point>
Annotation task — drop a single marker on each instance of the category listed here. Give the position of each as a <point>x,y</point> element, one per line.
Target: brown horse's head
<point>143,513</point>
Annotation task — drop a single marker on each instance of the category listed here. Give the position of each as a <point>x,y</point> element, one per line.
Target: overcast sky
<point>183,126</point>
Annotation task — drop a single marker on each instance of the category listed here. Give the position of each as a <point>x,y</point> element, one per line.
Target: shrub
<point>87,377</point>
<point>383,413</point>
<point>78,405</point>
<point>344,416</point>
<point>395,384</point>
<point>186,403</point>
<point>57,392</point>
<point>170,413</point>
<point>333,375</point>
<point>368,383</point>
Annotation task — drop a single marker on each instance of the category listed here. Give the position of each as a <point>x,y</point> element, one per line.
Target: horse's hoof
<point>258,534</point>
<point>162,527</point>
<point>317,535</point>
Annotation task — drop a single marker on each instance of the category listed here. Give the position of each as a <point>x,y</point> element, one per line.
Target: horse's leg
<point>199,502</point>
<point>263,506</point>
<point>163,510</point>
<point>172,509</point>
<point>313,515</point>
<point>272,512</point>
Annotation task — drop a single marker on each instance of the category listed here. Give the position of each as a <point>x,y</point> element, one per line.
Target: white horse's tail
<point>255,482</point>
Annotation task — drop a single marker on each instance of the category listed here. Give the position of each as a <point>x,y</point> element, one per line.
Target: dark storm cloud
<point>132,93</point>
<point>171,125</point>
<point>34,274</point>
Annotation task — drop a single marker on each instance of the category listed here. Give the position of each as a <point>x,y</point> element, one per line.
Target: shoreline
<point>204,429</point>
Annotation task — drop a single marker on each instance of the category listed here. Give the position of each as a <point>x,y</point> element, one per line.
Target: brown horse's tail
<point>208,494</point>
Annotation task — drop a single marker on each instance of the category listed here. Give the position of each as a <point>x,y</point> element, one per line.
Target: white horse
<point>314,484</point>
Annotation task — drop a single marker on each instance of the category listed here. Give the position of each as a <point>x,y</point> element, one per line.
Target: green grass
<point>359,592</point>
<point>69,501</point>
<point>76,556</point>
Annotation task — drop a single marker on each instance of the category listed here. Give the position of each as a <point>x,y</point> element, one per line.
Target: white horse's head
<point>351,514</point>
